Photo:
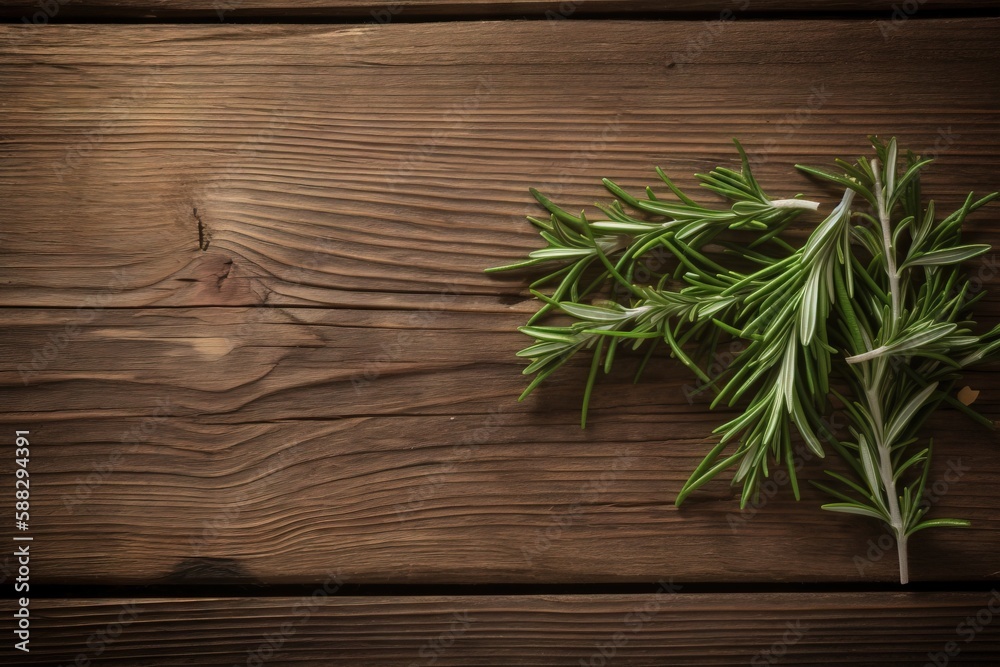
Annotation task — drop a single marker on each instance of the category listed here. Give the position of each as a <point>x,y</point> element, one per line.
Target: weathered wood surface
<point>655,629</point>
<point>395,10</point>
<point>328,189</point>
<point>309,185</point>
<point>285,440</point>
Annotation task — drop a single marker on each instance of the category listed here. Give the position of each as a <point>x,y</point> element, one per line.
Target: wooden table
<point>271,393</point>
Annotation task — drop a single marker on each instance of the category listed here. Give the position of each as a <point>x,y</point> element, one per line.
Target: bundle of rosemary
<point>872,316</point>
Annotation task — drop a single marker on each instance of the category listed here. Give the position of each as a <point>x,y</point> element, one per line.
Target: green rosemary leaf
<point>833,492</point>
<point>591,378</point>
<point>946,256</point>
<point>623,227</point>
<point>902,418</point>
<point>847,482</point>
<point>856,508</point>
<point>919,457</point>
<point>840,180</point>
<point>911,175</point>
<point>559,213</point>
<point>937,523</point>
<point>680,195</point>
<point>907,342</point>
<point>594,313</point>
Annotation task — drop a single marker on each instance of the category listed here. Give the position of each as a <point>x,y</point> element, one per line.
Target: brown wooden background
<point>245,319</point>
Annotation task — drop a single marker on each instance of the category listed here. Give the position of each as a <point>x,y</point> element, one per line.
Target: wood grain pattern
<point>307,185</point>
<point>655,629</point>
<point>394,449</point>
<point>241,225</point>
<point>395,10</point>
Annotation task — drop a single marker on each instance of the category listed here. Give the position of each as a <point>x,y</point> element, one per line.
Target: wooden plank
<point>396,10</point>
<point>269,364</point>
<point>268,444</point>
<point>661,628</point>
<point>270,147</point>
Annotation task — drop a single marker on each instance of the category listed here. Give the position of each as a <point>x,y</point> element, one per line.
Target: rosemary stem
<point>874,394</point>
<point>890,252</point>
<point>884,449</point>
<point>904,564</point>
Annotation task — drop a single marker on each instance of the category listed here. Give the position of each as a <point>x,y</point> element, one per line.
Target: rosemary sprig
<point>872,314</point>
